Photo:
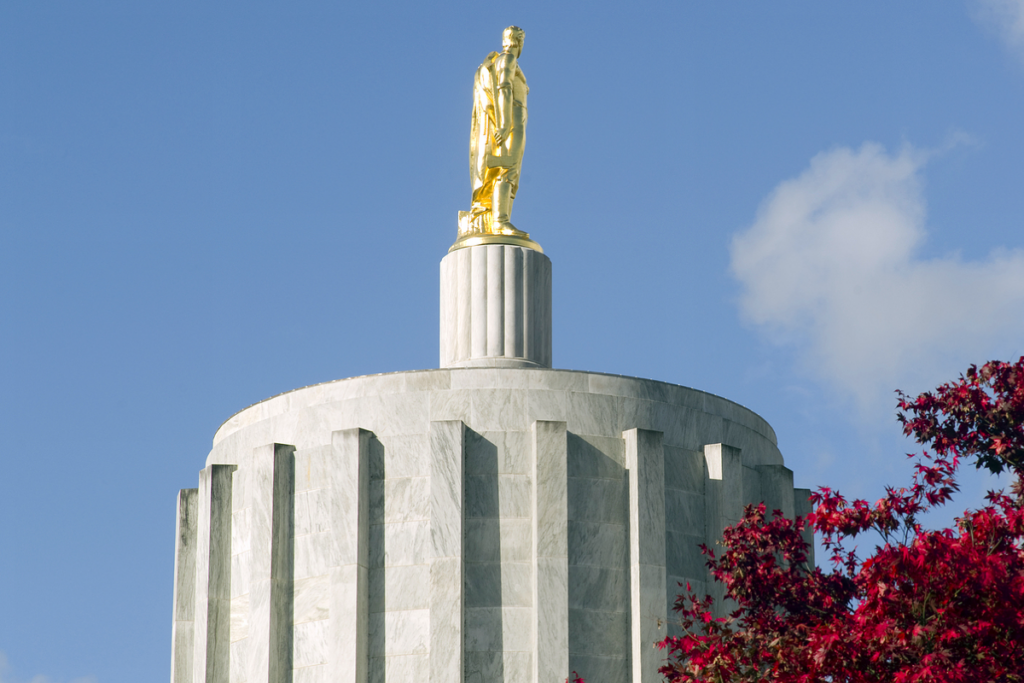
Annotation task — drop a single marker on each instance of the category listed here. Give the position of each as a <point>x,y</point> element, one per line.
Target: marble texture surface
<point>598,542</point>
<point>270,646</point>
<point>801,508</point>
<point>469,517</point>
<point>399,403</point>
<point>348,577</point>
<point>506,666</point>
<point>723,504</point>
<point>184,600</point>
<point>496,307</point>
<point>776,488</point>
<point>645,467</point>
<point>447,520</point>
<point>211,644</point>
<point>550,552</point>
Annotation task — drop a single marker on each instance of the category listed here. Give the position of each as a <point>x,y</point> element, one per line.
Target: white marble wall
<point>685,521</point>
<point>599,568</point>
<point>732,484</point>
<point>478,524</point>
<point>723,504</point>
<point>498,556</point>
<point>400,558</point>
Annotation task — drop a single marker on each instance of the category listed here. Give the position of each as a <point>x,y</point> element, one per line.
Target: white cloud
<point>1006,18</point>
<point>831,267</point>
<point>6,675</point>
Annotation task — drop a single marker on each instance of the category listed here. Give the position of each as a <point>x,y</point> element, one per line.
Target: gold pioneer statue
<point>496,141</point>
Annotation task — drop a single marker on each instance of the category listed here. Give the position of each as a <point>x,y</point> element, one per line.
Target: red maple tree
<point>927,605</point>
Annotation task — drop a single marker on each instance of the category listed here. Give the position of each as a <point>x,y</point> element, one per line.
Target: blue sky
<point>798,206</point>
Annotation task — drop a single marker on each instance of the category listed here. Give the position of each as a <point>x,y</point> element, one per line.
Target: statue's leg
<point>502,207</point>
<point>507,181</point>
<point>516,147</point>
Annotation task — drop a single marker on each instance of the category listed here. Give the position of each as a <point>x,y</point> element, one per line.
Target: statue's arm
<point>505,71</point>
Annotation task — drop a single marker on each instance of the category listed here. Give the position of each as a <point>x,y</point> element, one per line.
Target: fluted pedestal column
<point>496,307</point>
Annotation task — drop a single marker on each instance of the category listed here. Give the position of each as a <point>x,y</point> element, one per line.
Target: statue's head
<point>512,40</point>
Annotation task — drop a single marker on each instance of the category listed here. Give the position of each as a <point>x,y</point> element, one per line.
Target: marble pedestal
<point>496,307</point>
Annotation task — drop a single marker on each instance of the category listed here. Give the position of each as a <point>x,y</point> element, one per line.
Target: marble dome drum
<point>494,520</point>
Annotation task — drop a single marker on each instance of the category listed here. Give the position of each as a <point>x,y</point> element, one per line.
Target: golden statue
<point>496,141</point>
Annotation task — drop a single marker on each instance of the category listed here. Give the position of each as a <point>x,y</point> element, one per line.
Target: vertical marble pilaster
<point>537,297</point>
<point>550,552</point>
<point>270,488</point>
<point>801,508</point>
<point>776,489</point>
<point>514,303</point>
<point>724,494</point>
<point>495,300</point>
<point>457,337</point>
<point>447,522</point>
<point>211,652</point>
<point>478,294</point>
<point>350,532</point>
<point>449,302</point>
<point>183,624</point>
<point>723,504</point>
<point>648,603</point>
